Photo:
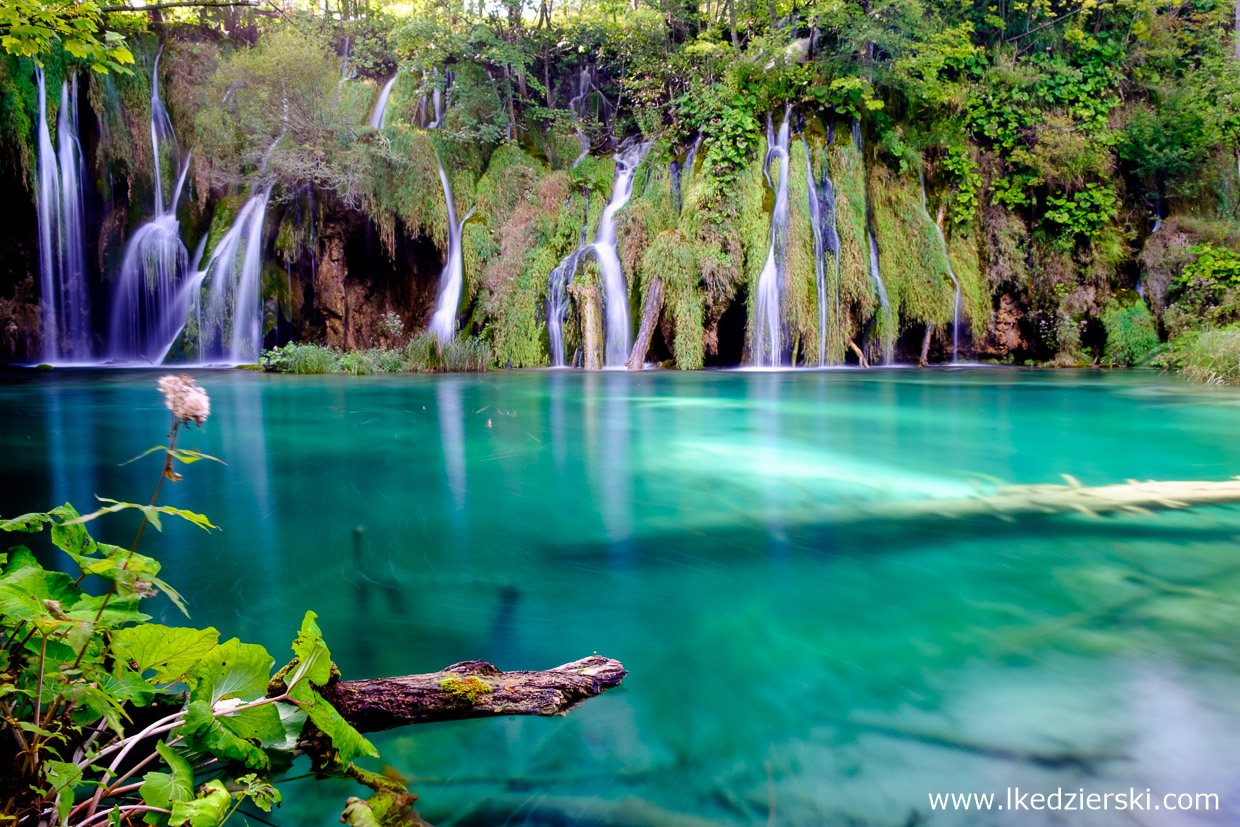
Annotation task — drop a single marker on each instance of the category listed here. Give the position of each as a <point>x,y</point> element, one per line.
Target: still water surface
<point>785,669</point>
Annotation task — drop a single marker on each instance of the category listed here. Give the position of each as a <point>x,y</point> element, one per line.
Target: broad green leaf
<point>346,740</point>
<point>162,789</point>
<point>62,777</point>
<point>151,512</point>
<point>231,670</point>
<point>23,592</point>
<point>203,731</point>
<point>170,651</point>
<point>29,523</point>
<point>314,661</point>
<point>182,454</point>
<point>71,538</point>
<point>207,810</point>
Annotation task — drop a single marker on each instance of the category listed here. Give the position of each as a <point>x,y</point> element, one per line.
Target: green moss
<point>466,691</point>
<point>858,298</point>
<point>674,259</point>
<point>800,304</point>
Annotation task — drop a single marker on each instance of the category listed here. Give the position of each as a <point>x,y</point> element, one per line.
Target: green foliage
<point>33,28</point>
<point>421,354</point>
<point>1210,355</point>
<point>1085,213</point>
<point>1131,333</point>
<point>1219,268</point>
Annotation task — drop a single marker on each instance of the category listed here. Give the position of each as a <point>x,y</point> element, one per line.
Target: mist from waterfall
<point>768,325</point>
<point>60,203</point>
<point>950,272</point>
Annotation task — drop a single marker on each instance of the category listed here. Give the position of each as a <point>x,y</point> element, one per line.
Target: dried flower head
<point>187,401</point>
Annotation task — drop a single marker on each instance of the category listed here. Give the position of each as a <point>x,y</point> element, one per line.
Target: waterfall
<point>62,230</point>
<point>380,113</point>
<point>768,333</point>
<point>145,318</point>
<point>443,323</point>
<point>229,327</point>
<point>826,240</point>
<point>950,272</point>
<point>557,298</point>
<point>615,290</point>
<point>875,271</point>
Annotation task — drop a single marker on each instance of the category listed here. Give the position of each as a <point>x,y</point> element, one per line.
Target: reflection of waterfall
<point>557,296</point>
<point>62,220</point>
<point>452,436</point>
<point>146,317</point>
<point>606,400</point>
<point>826,241</point>
<point>885,339</point>
<point>615,290</point>
<point>950,272</point>
<point>768,332</point>
<point>380,113</point>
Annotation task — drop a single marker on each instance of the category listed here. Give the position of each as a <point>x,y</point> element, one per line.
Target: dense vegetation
<point>1069,152</point>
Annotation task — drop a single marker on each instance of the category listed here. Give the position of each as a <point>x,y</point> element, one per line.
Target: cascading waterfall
<point>557,293</point>
<point>62,225</point>
<point>826,240</point>
<point>950,272</point>
<point>145,315</point>
<point>229,327</point>
<point>875,271</point>
<point>443,323</point>
<point>768,327</point>
<point>617,337</point>
<point>380,114</point>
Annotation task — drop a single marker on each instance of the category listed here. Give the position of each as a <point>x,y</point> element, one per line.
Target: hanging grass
<point>674,259</point>
<point>858,298</point>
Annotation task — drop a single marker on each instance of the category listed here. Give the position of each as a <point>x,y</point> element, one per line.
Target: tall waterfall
<point>59,198</point>
<point>557,292</point>
<point>768,326</point>
<point>229,327</point>
<point>145,317</point>
<point>875,272</point>
<point>950,272</point>
<point>826,240</point>
<point>380,113</point>
<point>443,323</point>
<point>618,338</point>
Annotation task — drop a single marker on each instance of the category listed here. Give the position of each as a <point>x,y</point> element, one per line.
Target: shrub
<point>1131,334</point>
<point>1211,356</point>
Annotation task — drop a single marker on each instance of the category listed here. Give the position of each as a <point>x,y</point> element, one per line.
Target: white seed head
<point>187,401</point>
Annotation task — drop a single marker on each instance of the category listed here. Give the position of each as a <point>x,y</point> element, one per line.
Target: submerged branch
<point>474,689</point>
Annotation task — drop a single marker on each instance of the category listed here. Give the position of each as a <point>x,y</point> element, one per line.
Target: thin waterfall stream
<point>950,272</point>
<point>768,323</point>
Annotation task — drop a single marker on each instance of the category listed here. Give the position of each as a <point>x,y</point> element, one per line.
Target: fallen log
<point>474,689</point>
<point>650,315</point>
<point>1013,501</point>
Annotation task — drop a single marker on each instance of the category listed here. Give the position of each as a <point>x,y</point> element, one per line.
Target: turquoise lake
<point>787,665</point>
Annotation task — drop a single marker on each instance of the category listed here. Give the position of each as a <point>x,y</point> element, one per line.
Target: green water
<point>833,673</point>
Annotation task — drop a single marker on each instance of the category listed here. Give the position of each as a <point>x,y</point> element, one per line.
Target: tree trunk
<point>591,324</point>
<point>474,689</point>
<point>650,315</point>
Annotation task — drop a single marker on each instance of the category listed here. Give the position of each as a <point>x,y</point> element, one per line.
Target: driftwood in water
<point>591,324</point>
<point>474,689</point>
<point>650,315</point>
<point>1014,501</point>
<point>860,355</point>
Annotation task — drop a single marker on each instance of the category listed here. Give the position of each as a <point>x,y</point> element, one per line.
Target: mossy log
<point>650,315</point>
<point>474,689</point>
<point>591,324</point>
<point>1010,502</point>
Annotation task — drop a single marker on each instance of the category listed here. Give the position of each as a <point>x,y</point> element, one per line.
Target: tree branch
<point>182,4</point>
<point>474,689</point>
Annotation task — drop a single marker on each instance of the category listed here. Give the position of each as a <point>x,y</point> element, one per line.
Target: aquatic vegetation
<point>1211,356</point>
<point>423,353</point>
